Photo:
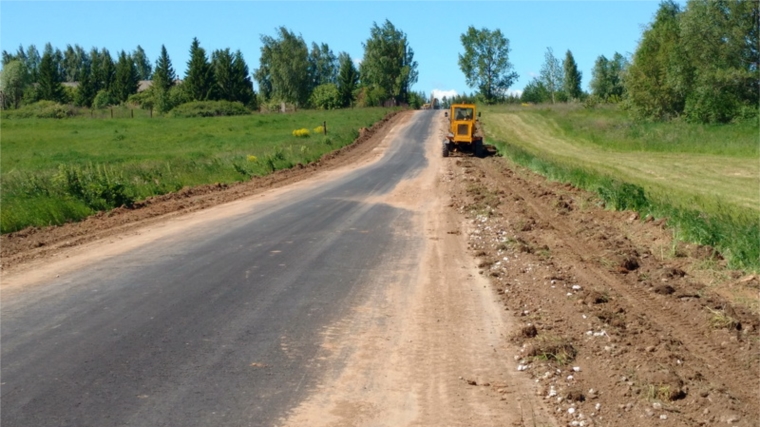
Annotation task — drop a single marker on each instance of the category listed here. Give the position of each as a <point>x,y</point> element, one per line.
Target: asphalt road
<point>217,326</point>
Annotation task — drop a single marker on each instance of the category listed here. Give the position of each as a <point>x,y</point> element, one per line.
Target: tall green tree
<point>163,81</point>
<point>284,68</point>
<point>552,75</point>
<point>655,84</point>
<point>103,69</point>
<point>244,82</point>
<point>233,82</point>
<point>199,79</point>
<point>13,81</point>
<point>49,84</point>
<point>607,77</point>
<point>74,60</point>
<point>87,88</point>
<point>719,40</point>
<point>485,62</point>
<point>388,63</point>
<point>323,65</point>
<point>348,79</point>
<point>126,78</point>
<point>144,69</point>
<point>572,82</point>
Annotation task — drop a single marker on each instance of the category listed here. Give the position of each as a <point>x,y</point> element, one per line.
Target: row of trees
<point>289,72</point>
<point>100,81</point>
<point>701,62</point>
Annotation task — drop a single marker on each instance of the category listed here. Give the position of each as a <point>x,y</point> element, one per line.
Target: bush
<point>103,99</point>
<point>325,97</point>
<point>41,110</point>
<point>210,109</point>
<point>144,99</point>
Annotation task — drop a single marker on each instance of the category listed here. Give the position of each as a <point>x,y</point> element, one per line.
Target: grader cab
<point>464,133</point>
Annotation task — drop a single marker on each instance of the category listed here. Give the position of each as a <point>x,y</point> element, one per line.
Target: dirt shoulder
<point>619,324</point>
<point>38,243</point>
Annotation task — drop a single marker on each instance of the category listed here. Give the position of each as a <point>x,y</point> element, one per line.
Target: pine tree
<point>163,80</point>
<point>87,90</point>
<point>225,79</point>
<point>126,79</point>
<point>348,79</point>
<point>199,80</point>
<point>572,83</point>
<point>50,87</point>
<point>164,76</point>
<point>243,82</point>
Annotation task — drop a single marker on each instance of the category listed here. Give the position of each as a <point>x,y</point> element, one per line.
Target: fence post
<point>151,111</point>
<point>324,127</point>
<point>111,112</point>
<point>132,112</point>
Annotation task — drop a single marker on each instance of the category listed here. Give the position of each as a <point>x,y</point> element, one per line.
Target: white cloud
<point>439,93</point>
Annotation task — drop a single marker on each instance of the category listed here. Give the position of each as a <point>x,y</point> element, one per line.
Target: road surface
<point>302,306</point>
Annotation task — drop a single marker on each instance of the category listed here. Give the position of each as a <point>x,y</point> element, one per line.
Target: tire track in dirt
<point>643,303</point>
<point>647,349</point>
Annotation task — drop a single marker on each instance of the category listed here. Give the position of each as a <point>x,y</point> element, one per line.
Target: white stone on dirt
<point>571,410</point>
<point>576,287</point>
<point>663,417</point>
<point>576,368</point>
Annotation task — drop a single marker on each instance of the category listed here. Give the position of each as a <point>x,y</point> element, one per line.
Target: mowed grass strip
<point>54,171</point>
<point>719,166</point>
<point>708,198</point>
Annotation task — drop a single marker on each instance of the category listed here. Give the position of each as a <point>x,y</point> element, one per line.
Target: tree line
<point>701,62</point>
<point>289,72</point>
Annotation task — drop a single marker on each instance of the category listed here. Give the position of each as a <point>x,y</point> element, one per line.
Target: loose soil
<point>619,324</point>
<point>533,306</point>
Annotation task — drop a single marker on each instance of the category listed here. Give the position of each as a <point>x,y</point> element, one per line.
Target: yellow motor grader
<point>464,133</point>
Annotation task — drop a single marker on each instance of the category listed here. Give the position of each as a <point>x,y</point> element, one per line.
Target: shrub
<point>325,97</point>
<point>41,110</point>
<point>144,99</point>
<point>210,109</point>
<point>103,99</point>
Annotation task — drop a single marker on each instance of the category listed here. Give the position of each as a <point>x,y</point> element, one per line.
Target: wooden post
<point>111,112</point>
<point>151,111</point>
<point>324,127</point>
<point>132,112</point>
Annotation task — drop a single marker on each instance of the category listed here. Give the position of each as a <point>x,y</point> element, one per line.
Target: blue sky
<point>587,28</point>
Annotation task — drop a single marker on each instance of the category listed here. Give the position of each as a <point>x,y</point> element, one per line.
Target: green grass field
<point>54,171</point>
<point>705,178</point>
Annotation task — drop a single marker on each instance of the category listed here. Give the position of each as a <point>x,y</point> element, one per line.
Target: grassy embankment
<point>54,171</point>
<point>704,178</point>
